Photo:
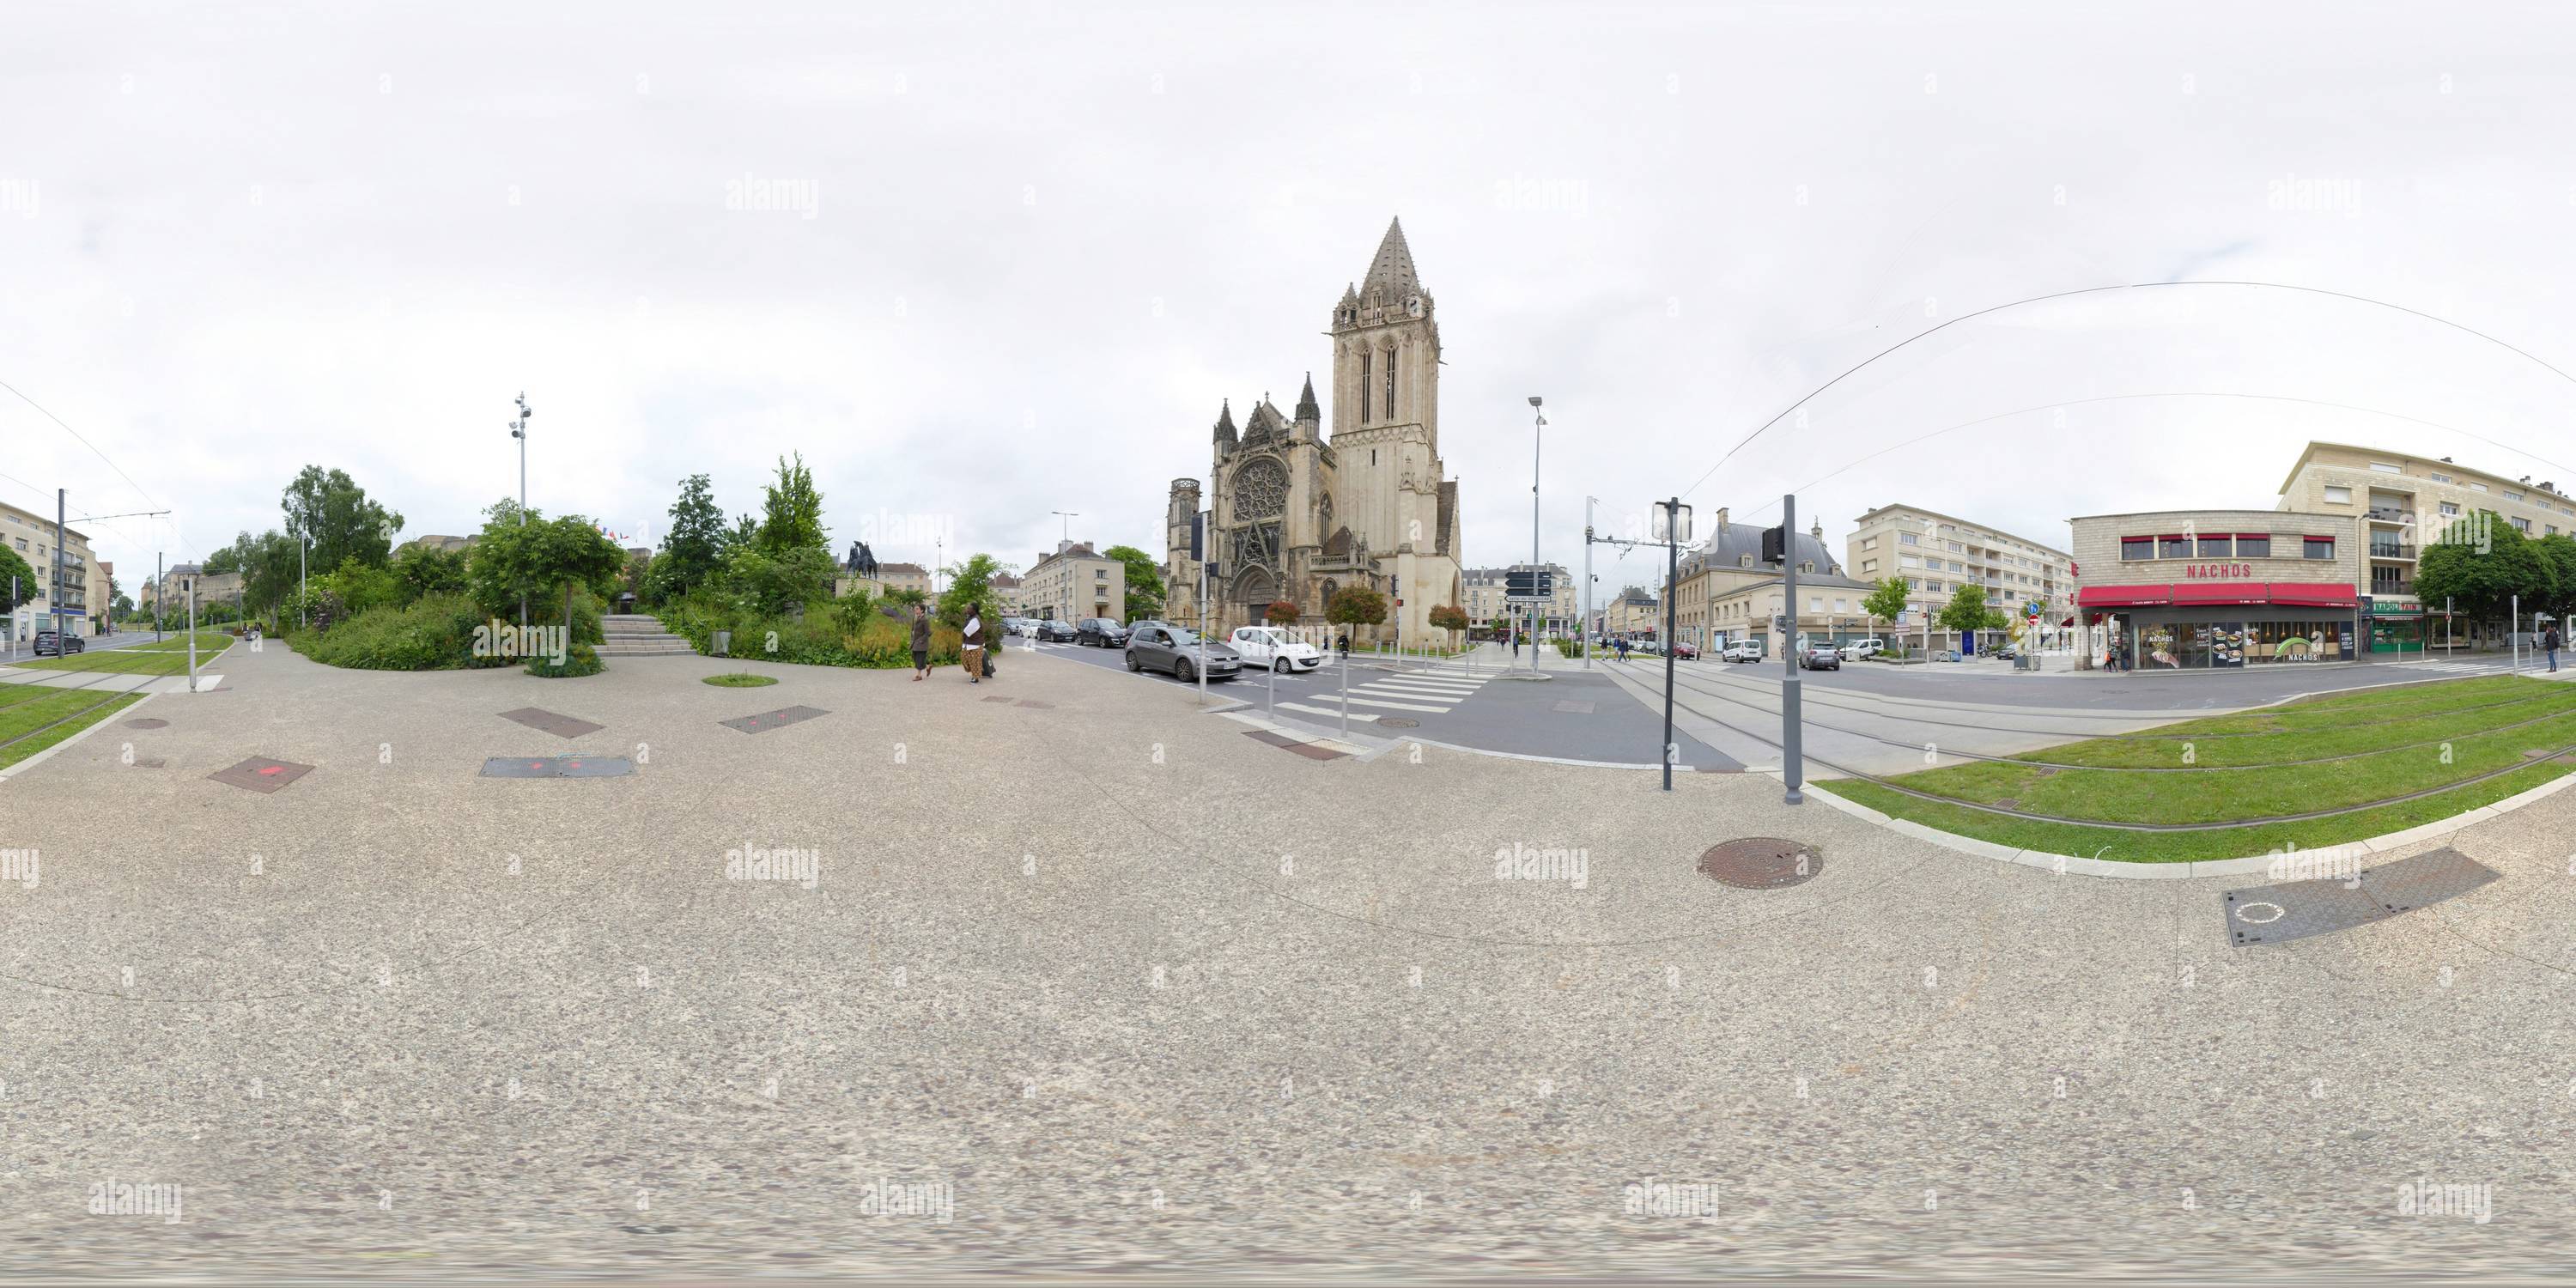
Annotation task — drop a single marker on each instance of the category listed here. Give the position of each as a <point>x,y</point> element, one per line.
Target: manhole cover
<point>569,765</point>
<point>560,725</point>
<point>768,720</point>
<point>1573,707</point>
<point>1761,863</point>
<point>147,722</point>
<point>261,774</point>
<point>1399,722</point>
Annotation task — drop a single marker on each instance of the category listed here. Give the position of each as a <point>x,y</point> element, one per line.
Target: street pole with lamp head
<point>1676,525</point>
<point>519,431</point>
<point>1068,516</point>
<point>1537,431</point>
<point>1583,626</point>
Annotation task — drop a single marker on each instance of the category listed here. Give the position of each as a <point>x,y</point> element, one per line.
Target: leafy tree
<point>1449,617</point>
<point>2483,582</point>
<point>427,570</point>
<point>1144,582</point>
<point>124,606</point>
<point>336,514</point>
<point>228,559</point>
<point>12,564</point>
<point>1966,612</point>
<point>771,583</point>
<point>2557,552</point>
<point>1356,606</point>
<point>515,560</point>
<point>693,551</point>
<point>1280,613</point>
<point>1886,602</point>
<point>907,596</point>
<point>1500,625</point>
<point>969,583</point>
<point>361,586</point>
<point>792,516</point>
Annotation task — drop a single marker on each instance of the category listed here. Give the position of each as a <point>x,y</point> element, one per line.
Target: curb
<point>2250,865</point>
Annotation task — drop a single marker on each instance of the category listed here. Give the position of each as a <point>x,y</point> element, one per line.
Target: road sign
<point>1529,583</point>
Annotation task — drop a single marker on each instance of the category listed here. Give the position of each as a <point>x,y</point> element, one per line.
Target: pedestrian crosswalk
<point>1400,694</point>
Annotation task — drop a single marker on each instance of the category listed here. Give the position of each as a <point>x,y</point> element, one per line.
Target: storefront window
<point>2292,642</point>
<point>2214,548</point>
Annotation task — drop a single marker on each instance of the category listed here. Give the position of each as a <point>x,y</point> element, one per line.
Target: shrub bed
<point>437,633</point>
<point>824,638</point>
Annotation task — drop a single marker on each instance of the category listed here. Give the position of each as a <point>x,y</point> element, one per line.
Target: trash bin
<point>724,643</point>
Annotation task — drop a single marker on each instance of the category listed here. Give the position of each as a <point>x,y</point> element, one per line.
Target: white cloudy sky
<point>1045,240</point>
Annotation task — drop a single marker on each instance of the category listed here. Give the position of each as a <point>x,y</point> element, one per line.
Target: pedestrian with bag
<point>973,650</point>
<point>2549,643</point>
<point>920,642</point>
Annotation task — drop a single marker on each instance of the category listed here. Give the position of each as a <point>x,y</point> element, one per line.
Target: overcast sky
<point>982,263</point>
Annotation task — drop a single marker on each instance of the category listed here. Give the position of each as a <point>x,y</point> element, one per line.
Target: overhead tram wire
<point>1854,369</point>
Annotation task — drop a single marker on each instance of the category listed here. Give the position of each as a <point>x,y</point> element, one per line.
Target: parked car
<point>1862,650</point>
<point>1020,626</point>
<point>1820,657</point>
<point>49,642</point>
<point>1104,632</point>
<point>1162,646</point>
<point>2003,652</point>
<point>1741,652</point>
<point>1272,647</point>
<point>1051,631</point>
<point>1946,655</point>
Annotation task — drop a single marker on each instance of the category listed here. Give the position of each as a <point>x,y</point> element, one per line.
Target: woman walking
<point>920,642</point>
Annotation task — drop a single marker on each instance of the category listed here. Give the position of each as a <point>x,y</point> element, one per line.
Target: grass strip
<point>13,752</point>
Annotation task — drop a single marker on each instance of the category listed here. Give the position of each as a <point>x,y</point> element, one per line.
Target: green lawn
<point>169,657</point>
<point>25,708</point>
<point>2395,742</point>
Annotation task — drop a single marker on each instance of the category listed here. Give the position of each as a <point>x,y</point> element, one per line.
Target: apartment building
<point>1012,592</point>
<point>903,576</point>
<point>1484,593</point>
<point>2221,589</point>
<point>1633,613</point>
<point>1073,582</point>
<point>31,536</point>
<point>1706,611</point>
<point>2399,501</point>
<point>1938,553</point>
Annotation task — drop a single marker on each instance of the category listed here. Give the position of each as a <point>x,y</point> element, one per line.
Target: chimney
<point>1721,519</point>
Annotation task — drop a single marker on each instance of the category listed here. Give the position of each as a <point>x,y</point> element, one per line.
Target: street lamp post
<point>303,606</point>
<point>1583,626</point>
<point>1068,516</point>
<point>519,431</point>
<point>1536,431</point>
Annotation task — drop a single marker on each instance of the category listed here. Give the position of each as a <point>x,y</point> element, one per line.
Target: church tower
<point>1386,430</point>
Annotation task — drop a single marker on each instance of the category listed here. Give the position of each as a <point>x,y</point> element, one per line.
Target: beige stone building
<point>31,536</point>
<point>1073,582</point>
<point>1707,613</point>
<point>1295,515</point>
<point>1633,613</point>
<point>2401,501</point>
<point>1012,593</point>
<point>1937,553</point>
<point>2221,589</point>
<point>1829,611</point>
<point>903,576</point>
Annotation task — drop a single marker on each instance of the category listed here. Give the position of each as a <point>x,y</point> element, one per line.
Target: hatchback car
<point>1161,646</point>
<point>1271,647</point>
<point>1103,632</point>
<point>57,645</point>
<point>1741,653</point>
<point>1820,657</point>
<point>1051,631</point>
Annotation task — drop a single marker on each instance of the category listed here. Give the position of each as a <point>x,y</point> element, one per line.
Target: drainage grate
<point>2276,914</point>
<point>1572,707</point>
<point>768,720</point>
<point>1285,743</point>
<point>261,774</point>
<point>147,722</point>
<point>1762,863</point>
<point>549,722</point>
<point>1399,722</point>
<point>570,765</point>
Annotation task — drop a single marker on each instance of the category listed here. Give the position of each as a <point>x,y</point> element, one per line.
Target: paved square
<point>571,765</point>
<point>560,725</point>
<point>261,774</point>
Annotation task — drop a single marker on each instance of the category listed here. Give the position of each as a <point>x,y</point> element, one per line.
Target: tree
<point>13,565</point>
<point>1966,612</point>
<point>1356,606</point>
<point>334,512</point>
<point>1144,582</point>
<point>693,551</point>
<point>1449,617</point>
<point>792,515</point>
<point>1280,613</point>
<point>2480,563</point>
<point>773,583</point>
<point>2557,552</point>
<point>427,570</point>
<point>516,560</point>
<point>1886,602</point>
<point>969,583</point>
<point>228,559</point>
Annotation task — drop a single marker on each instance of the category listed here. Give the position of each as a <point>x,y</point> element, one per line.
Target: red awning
<point>2122,596</point>
<point>2315,594</point>
<point>2222,592</point>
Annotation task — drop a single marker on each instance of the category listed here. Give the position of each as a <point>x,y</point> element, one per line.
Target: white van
<point>1863,650</point>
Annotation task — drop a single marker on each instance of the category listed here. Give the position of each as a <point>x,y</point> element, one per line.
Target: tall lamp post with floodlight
<point>519,431</point>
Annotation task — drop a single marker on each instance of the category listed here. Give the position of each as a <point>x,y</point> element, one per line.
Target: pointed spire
<point>1307,408</point>
<point>1391,274</point>
<point>1225,423</point>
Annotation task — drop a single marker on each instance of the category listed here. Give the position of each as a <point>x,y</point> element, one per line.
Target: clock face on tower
<point>1413,305</point>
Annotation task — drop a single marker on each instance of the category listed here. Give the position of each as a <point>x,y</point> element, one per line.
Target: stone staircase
<point>638,635</point>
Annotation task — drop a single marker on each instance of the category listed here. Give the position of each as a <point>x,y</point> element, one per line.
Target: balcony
<point>2392,550</point>
<point>2389,514</point>
<point>2384,588</point>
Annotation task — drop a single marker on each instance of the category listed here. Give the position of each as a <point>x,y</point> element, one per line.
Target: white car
<point>1272,647</point>
<point>1742,652</point>
<point>1863,650</point>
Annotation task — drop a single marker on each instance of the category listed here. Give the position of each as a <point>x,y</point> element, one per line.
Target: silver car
<point>1161,646</point>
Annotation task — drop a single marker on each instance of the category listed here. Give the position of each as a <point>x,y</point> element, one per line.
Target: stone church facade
<point>1297,514</point>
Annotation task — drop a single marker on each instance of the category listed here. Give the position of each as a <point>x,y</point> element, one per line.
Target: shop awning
<point>2122,596</point>
<point>2222,592</point>
<point>2315,594</point>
